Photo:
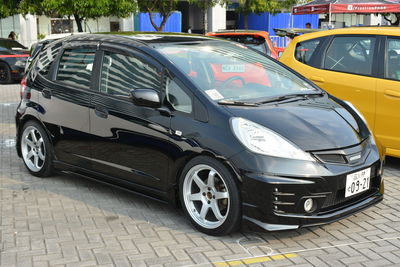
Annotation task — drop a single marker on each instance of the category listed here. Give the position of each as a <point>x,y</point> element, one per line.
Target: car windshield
<point>255,42</point>
<point>11,45</point>
<point>232,72</point>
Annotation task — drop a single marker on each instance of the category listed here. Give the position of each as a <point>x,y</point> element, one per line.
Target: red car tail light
<point>25,92</point>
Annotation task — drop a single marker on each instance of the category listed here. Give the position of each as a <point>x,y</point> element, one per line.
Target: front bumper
<point>274,200</point>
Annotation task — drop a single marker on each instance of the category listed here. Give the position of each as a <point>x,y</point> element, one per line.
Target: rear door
<point>129,142</point>
<point>65,101</point>
<point>387,126</point>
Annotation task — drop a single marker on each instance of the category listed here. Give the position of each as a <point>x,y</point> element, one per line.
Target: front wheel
<point>210,196</point>
<point>36,149</point>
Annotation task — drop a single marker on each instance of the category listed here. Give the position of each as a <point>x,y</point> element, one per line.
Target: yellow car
<point>360,65</point>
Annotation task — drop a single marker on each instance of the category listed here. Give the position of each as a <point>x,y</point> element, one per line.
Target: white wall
<point>216,18</point>
<point>28,27</point>
<point>126,24</point>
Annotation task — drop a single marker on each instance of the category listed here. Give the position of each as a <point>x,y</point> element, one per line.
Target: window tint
<point>392,68</point>
<point>76,67</point>
<point>177,97</point>
<point>351,54</point>
<point>46,57</point>
<point>306,49</point>
<point>120,74</point>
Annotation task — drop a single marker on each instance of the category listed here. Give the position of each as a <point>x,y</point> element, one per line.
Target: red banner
<point>346,8</point>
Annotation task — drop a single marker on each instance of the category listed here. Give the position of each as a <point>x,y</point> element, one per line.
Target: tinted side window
<point>351,54</point>
<point>392,66</point>
<point>121,73</point>
<point>46,57</point>
<point>177,97</point>
<point>305,50</point>
<point>76,67</point>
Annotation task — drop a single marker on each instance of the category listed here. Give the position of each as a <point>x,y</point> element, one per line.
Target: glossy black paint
<point>144,148</point>
<point>146,98</point>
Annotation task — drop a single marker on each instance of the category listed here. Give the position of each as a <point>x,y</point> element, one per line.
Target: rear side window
<point>46,57</point>
<point>121,73</point>
<point>305,50</point>
<point>76,67</point>
<point>392,69</point>
<point>351,54</point>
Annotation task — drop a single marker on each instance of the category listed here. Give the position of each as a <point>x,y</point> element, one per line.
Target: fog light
<point>308,204</point>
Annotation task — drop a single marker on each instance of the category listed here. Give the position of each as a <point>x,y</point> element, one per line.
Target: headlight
<point>20,63</point>
<point>261,140</point>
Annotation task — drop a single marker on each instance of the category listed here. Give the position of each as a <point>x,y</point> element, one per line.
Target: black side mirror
<point>146,98</point>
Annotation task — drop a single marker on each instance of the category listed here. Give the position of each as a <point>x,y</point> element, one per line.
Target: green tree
<point>79,9</point>
<point>164,7</point>
<point>8,8</point>
<point>258,6</point>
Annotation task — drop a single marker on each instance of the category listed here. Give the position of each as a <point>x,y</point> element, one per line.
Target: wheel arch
<point>21,122</point>
<point>176,173</point>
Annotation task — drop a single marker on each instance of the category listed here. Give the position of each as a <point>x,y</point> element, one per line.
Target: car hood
<point>313,124</point>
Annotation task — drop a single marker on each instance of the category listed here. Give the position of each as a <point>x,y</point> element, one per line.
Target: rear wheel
<point>5,73</point>
<point>210,196</point>
<point>36,149</point>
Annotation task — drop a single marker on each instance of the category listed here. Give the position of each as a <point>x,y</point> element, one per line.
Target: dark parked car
<point>210,123</point>
<point>13,56</point>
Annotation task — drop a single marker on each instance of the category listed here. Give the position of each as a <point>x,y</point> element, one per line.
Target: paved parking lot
<point>70,221</point>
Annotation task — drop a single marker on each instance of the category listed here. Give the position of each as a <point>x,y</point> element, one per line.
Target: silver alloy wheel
<point>32,148</point>
<point>206,196</point>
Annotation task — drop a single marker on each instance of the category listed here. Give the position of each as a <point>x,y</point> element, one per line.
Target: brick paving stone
<point>69,221</point>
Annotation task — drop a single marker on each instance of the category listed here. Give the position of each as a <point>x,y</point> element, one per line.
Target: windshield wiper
<point>289,96</point>
<point>237,103</point>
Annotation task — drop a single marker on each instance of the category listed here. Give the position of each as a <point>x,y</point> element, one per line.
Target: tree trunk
<point>163,22</point>
<point>246,21</point>
<point>78,21</point>
<point>205,20</point>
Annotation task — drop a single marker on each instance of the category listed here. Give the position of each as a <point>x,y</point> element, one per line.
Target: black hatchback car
<point>216,126</point>
<point>13,56</point>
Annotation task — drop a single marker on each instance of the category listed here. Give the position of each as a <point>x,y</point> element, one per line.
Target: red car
<point>258,40</point>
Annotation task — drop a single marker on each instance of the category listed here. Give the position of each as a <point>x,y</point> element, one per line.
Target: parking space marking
<point>251,260</point>
<point>283,256</point>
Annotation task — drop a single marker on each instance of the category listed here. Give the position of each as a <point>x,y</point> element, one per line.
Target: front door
<point>130,142</point>
<point>387,126</point>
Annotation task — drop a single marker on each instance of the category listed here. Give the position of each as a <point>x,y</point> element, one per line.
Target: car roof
<point>351,30</point>
<point>140,38</point>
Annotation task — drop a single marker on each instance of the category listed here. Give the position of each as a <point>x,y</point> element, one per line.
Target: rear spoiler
<point>293,32</point>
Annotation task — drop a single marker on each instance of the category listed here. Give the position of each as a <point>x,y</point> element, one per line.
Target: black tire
<point>46,169</point>
<point>233,214</point>
<point>5,73</point>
